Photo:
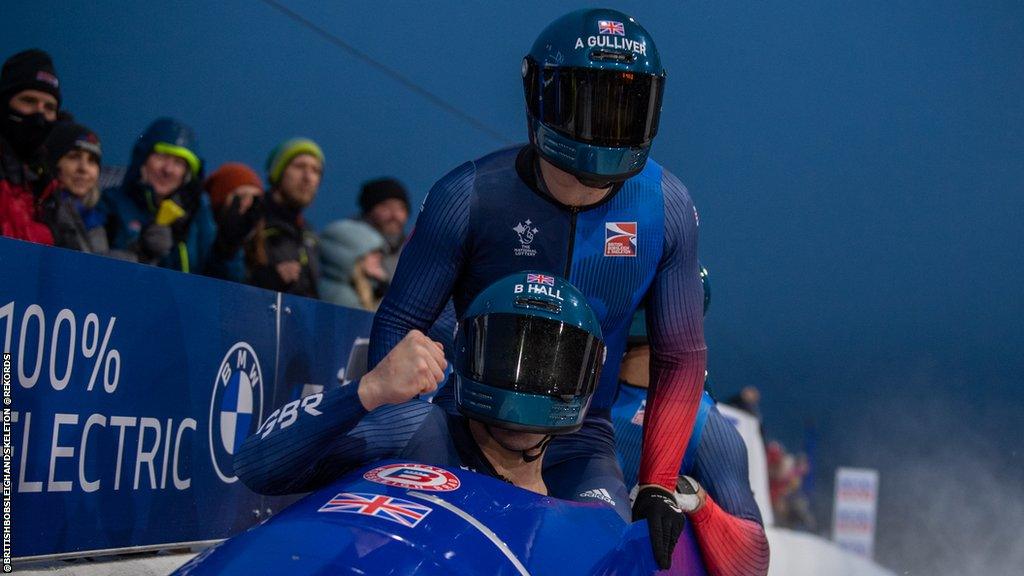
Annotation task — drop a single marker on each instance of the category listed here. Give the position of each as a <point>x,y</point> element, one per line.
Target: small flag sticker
<point>540,279</point>
<point>404,512</point>
<point>611,27</point>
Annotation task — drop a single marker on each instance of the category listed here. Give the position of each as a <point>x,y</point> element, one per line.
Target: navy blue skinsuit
<point>493,217</point>
<point>322,436</point>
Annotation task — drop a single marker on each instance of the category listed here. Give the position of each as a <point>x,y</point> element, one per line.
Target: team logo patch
<point>620,238</point>
<point>404,512</point>
<point>236,407</point>
<point>610,27</point>
<point>526,232</point>
<point>638,418</point>
<point>415,476</point>
<point>540,279</point>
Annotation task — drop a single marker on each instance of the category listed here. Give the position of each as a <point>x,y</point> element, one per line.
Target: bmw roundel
<point>236,407</point>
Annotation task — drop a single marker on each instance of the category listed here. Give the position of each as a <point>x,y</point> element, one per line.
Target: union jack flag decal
<point>540,279</point>
<point>404,512</point>
<point>610,27</point>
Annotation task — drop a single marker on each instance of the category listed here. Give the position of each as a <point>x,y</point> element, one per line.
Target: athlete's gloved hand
<point>414,366</point>
<point>665,521</point>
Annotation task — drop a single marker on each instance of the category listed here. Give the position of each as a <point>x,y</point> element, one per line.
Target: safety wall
<point>802,554</point>
<point>130,389</point>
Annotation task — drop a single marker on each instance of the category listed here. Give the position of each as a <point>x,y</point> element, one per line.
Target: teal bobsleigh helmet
<point>528,354</point>
<point>593,83</point>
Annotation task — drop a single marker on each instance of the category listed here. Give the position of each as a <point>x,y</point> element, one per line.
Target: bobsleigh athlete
<point>528,355</point>
<point>582,201</point>
<point>714,483</point>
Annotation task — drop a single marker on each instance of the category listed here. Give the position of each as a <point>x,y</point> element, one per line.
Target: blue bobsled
<point>395,517</point>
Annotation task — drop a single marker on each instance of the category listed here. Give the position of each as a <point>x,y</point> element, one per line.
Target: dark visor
<point>532,355</point>
<point>607,108</point>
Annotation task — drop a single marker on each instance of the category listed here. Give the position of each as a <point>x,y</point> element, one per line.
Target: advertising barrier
<point>131,387</point>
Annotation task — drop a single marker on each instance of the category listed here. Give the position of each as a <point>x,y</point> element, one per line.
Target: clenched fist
<point>415,366</point>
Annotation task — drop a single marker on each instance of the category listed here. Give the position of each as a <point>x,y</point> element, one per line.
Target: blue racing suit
<point>493,217</point>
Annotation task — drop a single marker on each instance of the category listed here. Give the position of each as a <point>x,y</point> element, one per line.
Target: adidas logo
<point>600,494</point>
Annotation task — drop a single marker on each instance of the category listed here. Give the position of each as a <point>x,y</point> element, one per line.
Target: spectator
<point>159,211</point>
<point>284,255</point>
<point>74,154</point>
<point>351,252</point>
<point>236,196</point>
<point>786,473</point>
<point>30,96</point>
<point>749,400</point>
<point>385,206</point>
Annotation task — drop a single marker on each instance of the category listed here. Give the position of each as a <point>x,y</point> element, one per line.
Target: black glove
<point>665,521</point>
<point>155,242</point>
<point>234,228</point>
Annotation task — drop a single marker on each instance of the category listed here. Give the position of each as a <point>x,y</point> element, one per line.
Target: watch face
<point>687,494</point>
<point>688,502</point>
<point>686,485</point>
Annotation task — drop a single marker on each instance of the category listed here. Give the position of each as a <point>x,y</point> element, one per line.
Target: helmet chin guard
<point>593,166</point>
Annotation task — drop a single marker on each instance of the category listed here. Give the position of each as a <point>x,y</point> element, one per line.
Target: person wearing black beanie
<point>30,94</point>
<point>29,102</point>
<point>385,206</point>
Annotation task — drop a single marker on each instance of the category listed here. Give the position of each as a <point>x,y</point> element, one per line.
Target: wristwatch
<point>689,494</point>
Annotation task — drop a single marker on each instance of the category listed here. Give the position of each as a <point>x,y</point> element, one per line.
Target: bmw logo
<point>236,407</point>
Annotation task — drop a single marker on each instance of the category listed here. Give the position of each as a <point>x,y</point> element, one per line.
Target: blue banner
<point>131,388</point>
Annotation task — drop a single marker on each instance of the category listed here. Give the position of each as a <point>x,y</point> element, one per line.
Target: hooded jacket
<point>133,206</point>
<point>342,244</point>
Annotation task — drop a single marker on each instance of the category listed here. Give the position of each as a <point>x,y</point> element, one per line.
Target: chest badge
<point>526,233</point>
<point>620,238</point>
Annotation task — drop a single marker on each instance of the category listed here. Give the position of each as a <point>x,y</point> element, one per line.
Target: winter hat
<point>286,151</point>
<point>28,70</point>
<point>376,191</point>
<point>171,137</point>
<point>226,179</point>
<point>68,136</point>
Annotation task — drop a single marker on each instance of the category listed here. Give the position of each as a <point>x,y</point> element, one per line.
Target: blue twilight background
<point>858,168</point>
